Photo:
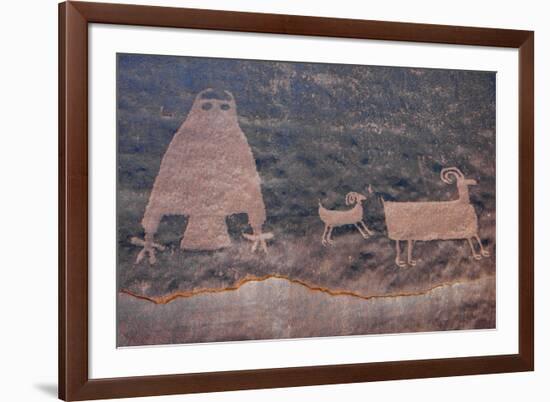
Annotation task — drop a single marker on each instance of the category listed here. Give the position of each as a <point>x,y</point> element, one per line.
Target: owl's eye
<point>225,106</point>
<point>206,106</point>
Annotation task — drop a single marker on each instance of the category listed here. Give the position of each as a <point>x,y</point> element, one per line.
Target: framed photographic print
<point>260,200</point>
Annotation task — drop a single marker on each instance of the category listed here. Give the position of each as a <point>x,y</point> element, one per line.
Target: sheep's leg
<point>410,245</point>
<point>398,261</point>
<point>329,238</point>
<point>365,236</point>
<point>474,253</point>
<point>484,252</point>
<point>369,232</point>
<point>324,237</point>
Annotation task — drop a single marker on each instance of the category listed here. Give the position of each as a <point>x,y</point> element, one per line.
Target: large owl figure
<point>207,173</point>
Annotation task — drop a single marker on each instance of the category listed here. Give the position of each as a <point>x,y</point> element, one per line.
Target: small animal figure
<point>353,216</point>
<point>434,220</point>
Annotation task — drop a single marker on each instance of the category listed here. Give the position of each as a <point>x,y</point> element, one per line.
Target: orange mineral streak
<point>315,288</point>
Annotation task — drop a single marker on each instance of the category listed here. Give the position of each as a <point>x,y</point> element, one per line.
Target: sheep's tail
<point>382,202</point>
<point>448,175</point>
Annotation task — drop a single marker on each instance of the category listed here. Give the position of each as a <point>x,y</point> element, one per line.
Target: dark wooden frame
<point>74,383</point>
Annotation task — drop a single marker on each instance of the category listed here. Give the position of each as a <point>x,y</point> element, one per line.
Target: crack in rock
<point>331,292</point>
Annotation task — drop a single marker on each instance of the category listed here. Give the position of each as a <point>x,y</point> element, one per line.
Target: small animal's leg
<point>324,236</point>
<point>484,252</point>
<point>329,238</point>
<point>370,232</point>
<point>474,253</point>
<point>365,236</point>
<point>400,263</point>
<point>410,245</point>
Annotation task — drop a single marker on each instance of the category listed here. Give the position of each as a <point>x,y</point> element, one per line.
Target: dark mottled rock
<point>317,131</point>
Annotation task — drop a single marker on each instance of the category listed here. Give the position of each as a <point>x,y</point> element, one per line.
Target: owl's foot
<point>258,240</point>
<point>148,249</point>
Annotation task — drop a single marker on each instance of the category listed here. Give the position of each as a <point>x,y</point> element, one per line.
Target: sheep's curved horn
<point>448,175</point>
<point>351,198</point>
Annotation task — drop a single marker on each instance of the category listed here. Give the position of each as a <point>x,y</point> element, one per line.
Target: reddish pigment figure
<point>435,220</point>
<point>353,216</point>
<point>207,173</point>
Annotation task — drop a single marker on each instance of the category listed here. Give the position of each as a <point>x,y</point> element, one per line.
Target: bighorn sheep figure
<point>353,216</point>
<point>434,220</point>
